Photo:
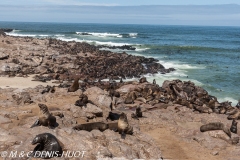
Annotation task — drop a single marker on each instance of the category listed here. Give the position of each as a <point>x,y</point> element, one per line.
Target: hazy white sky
<point>166,12</point>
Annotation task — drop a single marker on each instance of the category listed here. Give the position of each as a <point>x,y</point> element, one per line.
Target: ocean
<point>207,55</point>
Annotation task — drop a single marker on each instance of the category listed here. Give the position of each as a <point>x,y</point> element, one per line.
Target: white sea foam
<point>59,35</point>
<point>230,99</point>
<point>69,39</point>
<point>179,65</point>
<point>101,34</point>
<point>92,42</point>
<point>111,43</point>
<point>141,49</point>
<point>43,35</point>
<point>21,35</point>
<point>133,34</point>
<point>16,30</point>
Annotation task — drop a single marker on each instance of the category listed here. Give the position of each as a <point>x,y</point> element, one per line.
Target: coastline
<point>204,71</point>
<point>180,124</point>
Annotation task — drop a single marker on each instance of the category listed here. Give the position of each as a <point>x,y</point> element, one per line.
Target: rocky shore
<point>172,112</point>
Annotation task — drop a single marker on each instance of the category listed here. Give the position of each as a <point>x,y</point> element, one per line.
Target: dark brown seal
<point>48,146</point>
<point>123,125</point>
<point>113,116</point>
<point>91,126</point>
<point>83,100</point>
<point>238,104</point>
<point>45,117</point>
<point>113,93</point>
<point>154,81</point>
<point>215,126</point>
<point>75,86</point>
<point>138,113</point>
<point>233,128</point>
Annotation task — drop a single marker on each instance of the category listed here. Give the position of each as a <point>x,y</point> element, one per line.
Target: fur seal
<point>142,80</point>
<point>234,115</point>
<point>121,81</point>
<point>123,125</point>
<point>75,86</point>
<point>154,81</point>
<point>113,116</point>
<point>91,126</point>
<point>215,126</point>
<point>45,118</point>
<point>48,146</point>
<point>233,128</point>
<point>131,96</point>
<point>83,100</point>
<point>46,89</point>
<point>231,111</point>
<point>113,93</point>
<point>238,105</point>
<point>137,114</point>
<point>141,99</point>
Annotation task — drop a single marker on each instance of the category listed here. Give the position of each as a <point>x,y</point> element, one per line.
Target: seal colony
<point>55,57</point>
<point>79,68</point>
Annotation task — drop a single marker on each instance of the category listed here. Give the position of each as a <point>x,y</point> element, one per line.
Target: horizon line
<point>59,22</point>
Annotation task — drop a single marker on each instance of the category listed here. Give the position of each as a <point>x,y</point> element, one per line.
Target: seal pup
<point>233,128</point>
<point>48,146</point>
<point>123,126</point>
<point>138,113</point>
<point>45,118</point>
<point>75,86</point>
<point>215,126</point>
<point>83,100</point>
<point>91,126</point>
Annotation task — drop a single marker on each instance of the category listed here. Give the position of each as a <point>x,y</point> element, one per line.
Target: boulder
<point>10,67</point>
<point>3,56</point>
<point>91,108</point>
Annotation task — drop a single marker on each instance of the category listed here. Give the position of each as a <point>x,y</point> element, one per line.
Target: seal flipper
<point>123,135</point>
<point>134,116</point>
<point>39,147</point>
<point>37,123</point>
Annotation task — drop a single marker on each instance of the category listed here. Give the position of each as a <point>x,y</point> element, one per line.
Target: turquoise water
<point>208,56</point>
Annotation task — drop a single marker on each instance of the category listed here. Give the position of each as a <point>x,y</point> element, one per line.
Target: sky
<point>163,12</point>
<point>118,2</point>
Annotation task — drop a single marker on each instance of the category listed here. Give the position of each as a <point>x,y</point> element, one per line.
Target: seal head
<point>48,146</point>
